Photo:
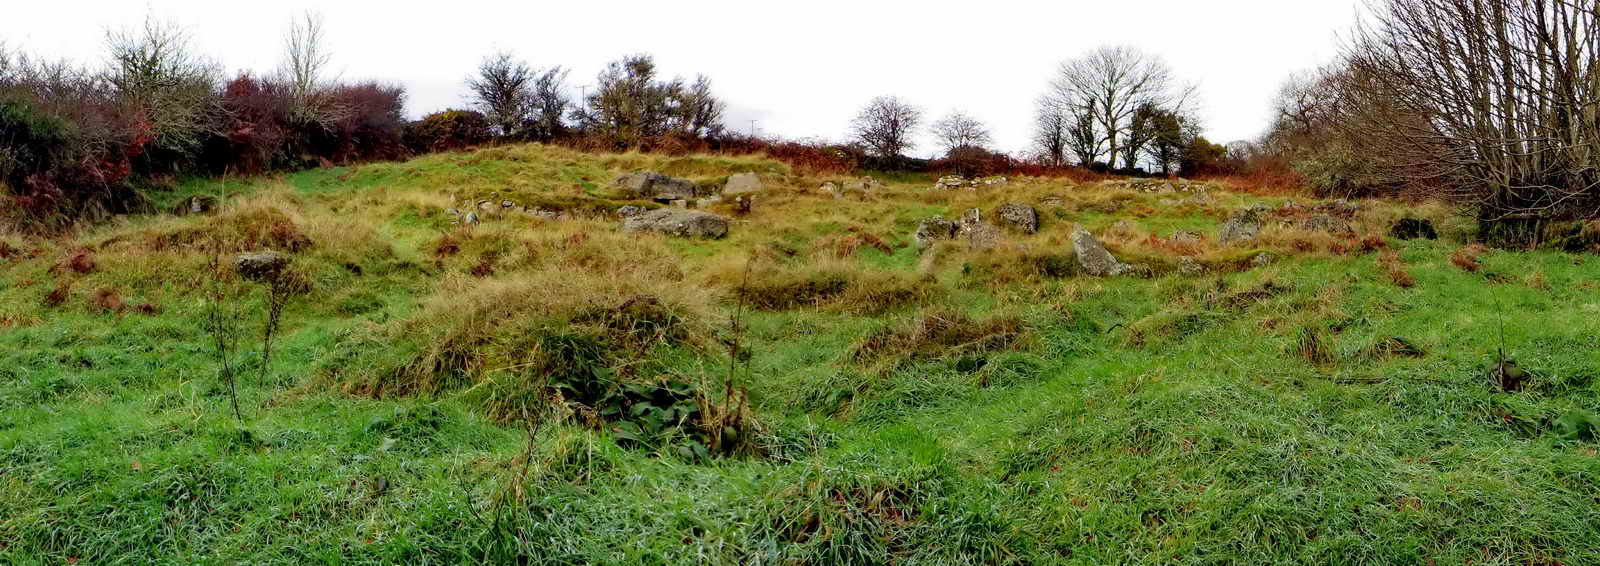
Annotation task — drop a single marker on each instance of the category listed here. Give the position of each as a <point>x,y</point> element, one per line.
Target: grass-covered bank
<point>951,405</point>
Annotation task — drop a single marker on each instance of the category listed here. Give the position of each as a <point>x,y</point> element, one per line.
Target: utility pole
<point>752,128</point>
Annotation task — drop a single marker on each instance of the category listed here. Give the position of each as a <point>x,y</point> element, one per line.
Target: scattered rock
<point>1125,225</point>
<point>864,184</point>
<point>1051,201</point>
<point>1264,259</point>
<point>1243,226</point>
<point>1093,257</point>
<point>472,218</point>
<point>1339,208</point>
<point>743,203</point>
<point>1326,223</point>
<point>1160,185</point>
<point>485,205</point>
<point>1189,266</point>
<point>260,266</point>
<point>1409,228</point>
<point>680,203</point>
<point>680,223</point>
<point>959,182</point>
<point>197,204</point>
<point>742,183</point>
<point>452,212</point>
<point>507,204</point>
<point>656,186</point>
<point>934,229</point>
<point>1019,216</point>
<point>950,182</point>
<point>832,190</point>
<point>1190,238</point>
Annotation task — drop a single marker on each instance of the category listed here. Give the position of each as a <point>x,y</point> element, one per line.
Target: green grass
<point>1161,420</point>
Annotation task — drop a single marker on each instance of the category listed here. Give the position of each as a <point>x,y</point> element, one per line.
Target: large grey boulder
<point>260,266</point>
<point>934,229</point>
<point>983,236</point>
<point>678,222</point>
<point>980,235</point>
<point>1019,216</point>
<point>1093,257</point>
<point>742,183</point>
<point>655,186</point>
<point>1243,226</point>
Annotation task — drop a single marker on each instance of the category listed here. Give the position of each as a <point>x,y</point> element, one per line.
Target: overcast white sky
<point>800,69</point>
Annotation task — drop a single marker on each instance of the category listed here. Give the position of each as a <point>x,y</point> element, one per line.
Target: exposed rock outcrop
<point>678,222</point>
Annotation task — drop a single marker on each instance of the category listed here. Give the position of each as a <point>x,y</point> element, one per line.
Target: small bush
<point>448,130</point>
<point>1313,347</point>
<point>1395,268</point>
<point>1469,258</point>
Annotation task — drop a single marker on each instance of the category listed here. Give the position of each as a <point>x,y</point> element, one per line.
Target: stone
<point>1018,216</point>
<point>1264,259</point>
<point>1184,238</point>
<point>972,217</point>
<point>679,223</point>
<point>832,190</point>
<point>742,204</point>
<point>1409,228</point>
<point>1326,223</point>
<point>507,204</point>
<point>1189,266</point>
<point>1125,225</point>
<point>1093,257</point>
<point>933,229</point>
<point>197,204</point>
<point>680,203</point>
<point>742,183</point>
<point>1339,208</point>
<point>983,236</point>
<point>656,186</point>
<point>260,266</point>
<point>452,212</point>
<point>1243,226</point>
<point>485,205</point>
<point>472,218</point>
<point>950,182</point>
<point>1051,201</point>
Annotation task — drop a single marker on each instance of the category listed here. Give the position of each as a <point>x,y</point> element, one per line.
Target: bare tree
<point>1494,100</point>
<point>885,126</point>
<point>303,69</point>
<point>1110,84</point>
<point>958,130</point>
<point>502,90</point>
<point>155,72</point>
<point>1083,136</point>
<point>1050,125</point>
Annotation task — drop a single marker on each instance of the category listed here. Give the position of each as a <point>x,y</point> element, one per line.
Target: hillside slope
<point>544,385</point>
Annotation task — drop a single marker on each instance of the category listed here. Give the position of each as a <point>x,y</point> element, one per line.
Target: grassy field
<point>548,391</point>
